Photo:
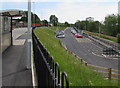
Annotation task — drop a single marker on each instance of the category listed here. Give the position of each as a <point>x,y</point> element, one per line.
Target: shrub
<point>118,38</point>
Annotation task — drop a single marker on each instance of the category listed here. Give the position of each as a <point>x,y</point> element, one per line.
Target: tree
<point>66,24</point>
<point>54,20</point>
<point>34,18</point>
<point>44,22</point>
<point>111,25</point>
<point>81,25</point>
<point>93,26</point>
<point>118,30</point>
<point>90,19</point>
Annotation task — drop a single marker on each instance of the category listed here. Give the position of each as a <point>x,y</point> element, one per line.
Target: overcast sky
<point>66,10</point>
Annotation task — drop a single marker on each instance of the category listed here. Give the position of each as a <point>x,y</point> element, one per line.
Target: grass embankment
<point>114,39</point>
<point>78,73</point>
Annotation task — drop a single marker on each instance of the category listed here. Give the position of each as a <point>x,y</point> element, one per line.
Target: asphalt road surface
<point>88,50</point>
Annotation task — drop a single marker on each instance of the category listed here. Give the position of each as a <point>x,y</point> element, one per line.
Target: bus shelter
<point>6,27</point>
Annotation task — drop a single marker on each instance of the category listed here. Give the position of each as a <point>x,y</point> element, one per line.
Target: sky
<point>66,10</point>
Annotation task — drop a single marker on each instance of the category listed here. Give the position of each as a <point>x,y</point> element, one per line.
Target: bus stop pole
<point>29,39</point>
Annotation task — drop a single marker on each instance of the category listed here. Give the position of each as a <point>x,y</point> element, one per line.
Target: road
<point>88,50</point>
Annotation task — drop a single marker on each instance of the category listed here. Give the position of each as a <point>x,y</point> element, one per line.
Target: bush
<point>118,38</point>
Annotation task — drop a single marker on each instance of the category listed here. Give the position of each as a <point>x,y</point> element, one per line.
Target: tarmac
<point>14,61</point>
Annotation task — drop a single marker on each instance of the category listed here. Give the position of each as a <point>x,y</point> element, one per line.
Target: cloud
<point>79,11</point>
<point>72,11</point>
<point>60,0</point>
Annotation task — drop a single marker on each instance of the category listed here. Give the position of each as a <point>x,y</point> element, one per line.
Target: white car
<point>61,36</point>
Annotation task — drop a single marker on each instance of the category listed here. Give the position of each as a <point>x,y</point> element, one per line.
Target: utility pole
<point>29,38</point>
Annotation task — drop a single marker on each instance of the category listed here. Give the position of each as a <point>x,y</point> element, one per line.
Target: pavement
<point>88,51</point>
<point>14,59</point>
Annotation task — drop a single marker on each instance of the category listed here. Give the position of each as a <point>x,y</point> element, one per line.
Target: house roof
<point>12,13</point>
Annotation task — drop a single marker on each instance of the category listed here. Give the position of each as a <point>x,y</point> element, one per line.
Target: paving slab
<point>14,59</point>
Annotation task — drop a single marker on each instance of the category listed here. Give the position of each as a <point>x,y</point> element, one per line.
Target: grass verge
<point>78,73</point>
<point>114,39</point>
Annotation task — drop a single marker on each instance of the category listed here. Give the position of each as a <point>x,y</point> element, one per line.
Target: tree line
<point>35,19</point>
<point>110,26</point>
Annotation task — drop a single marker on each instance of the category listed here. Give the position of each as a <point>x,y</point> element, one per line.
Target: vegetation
<point>66,24</point>
<point>109,27</point>
<point>78,73</point>
<point>45,22</point>
<point>114,39</point>
<point>54,20</point>
<point>118,38</point>
<point>34,18</point>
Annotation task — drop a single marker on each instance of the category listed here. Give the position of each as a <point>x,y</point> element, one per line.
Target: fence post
<point>85,63</point>
<point>81,60</point>
<point>109,73</point>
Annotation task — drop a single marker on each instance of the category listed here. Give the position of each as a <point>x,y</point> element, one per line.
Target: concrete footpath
<point>14,61</point>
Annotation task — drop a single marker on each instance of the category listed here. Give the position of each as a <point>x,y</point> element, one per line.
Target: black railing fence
<point>47,71</point>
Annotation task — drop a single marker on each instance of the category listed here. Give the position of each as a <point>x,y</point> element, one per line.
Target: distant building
<point>119,7</point>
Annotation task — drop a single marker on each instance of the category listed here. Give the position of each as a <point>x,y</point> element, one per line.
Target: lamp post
<point>29,38</point>
<point>34,13</point>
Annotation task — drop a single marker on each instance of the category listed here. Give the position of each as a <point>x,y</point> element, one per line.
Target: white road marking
<point>97,46</point>
<point>82,40</point>
<point>110,57</point>
<point>97,55</point>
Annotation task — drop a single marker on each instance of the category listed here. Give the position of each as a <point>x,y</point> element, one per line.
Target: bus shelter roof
<point>12,13</point>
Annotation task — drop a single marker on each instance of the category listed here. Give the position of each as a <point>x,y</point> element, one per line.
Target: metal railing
<point>106,43</point>
<point>47,71</point>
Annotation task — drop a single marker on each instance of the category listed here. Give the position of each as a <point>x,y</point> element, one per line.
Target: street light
<point>29,38</point>
<point>34,13</point>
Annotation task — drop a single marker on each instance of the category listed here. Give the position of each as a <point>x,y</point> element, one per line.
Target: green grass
<point>114,40</point>
<point>78,73</point>
<point>107,38</point>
